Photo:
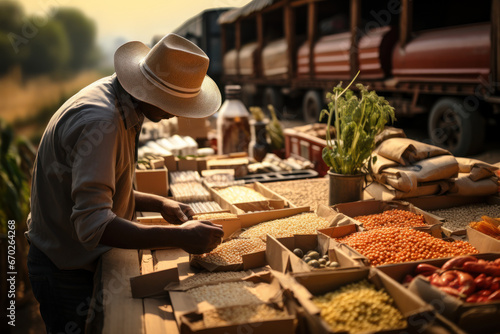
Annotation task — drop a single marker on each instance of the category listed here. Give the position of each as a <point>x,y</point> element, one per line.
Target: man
<point>82,197</point>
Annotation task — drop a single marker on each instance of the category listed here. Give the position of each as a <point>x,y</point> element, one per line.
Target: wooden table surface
<point>121,313</point>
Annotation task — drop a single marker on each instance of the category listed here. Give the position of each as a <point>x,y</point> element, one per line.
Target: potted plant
<point>357,121</point>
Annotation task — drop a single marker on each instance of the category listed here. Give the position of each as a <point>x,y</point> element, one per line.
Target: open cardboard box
<point>369,207</point>
<point>342,231</point>
<point>187,311</point>
<point>305,285</point>
<point>233,227</point>
<point>447,202</point>
<point>280,256</point>
<point>472,317</point>
<point>483,242</point>
<point>273,202</point>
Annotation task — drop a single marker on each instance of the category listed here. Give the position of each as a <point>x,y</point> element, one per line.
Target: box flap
<point>153,284</point>
<point>483,243</point>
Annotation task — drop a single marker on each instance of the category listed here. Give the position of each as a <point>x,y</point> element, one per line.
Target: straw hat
<point>171,76</point>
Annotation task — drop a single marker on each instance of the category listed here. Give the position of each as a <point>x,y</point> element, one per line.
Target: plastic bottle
<point>233,127</point>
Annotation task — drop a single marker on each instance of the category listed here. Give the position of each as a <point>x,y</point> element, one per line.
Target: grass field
<point>23,100</point>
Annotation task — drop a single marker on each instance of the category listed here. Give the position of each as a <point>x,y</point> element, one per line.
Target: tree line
<point>62,40</point>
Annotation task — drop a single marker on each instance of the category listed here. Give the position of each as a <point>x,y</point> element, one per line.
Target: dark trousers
<point>64,295</point>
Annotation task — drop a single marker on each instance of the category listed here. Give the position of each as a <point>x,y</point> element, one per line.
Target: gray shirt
<point>83,174</point>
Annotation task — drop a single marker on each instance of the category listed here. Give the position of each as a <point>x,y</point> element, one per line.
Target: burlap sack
<point>407,151</point>
<point>407,178</point>
<point>476,169</point>
<point>387,133</point>
<point>386,192</point>
<point>464,186</point>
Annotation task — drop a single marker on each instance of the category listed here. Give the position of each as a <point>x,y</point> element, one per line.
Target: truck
<point>437,58</point>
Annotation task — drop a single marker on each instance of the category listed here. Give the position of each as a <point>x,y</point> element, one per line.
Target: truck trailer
<point>440,58</point>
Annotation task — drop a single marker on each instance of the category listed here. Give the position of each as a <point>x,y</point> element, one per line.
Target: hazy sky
<point>133,20</point>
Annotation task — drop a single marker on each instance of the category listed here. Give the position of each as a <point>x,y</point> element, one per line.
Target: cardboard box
<point>369,207</point>
<point>251,260</point>
<point>483,243</point>
<point>192,127</point>
<point>273,200</point>
<point>471,317</point>
<point>280,256</point>
<point>187,311</point>
<point>154,181</point>
<point>342,231</point>
<point>239,165</point>
<point>398,271</point>
<point>187,164</point>
<point>306,285</point>
<point>468,316</point>
<point>492,200</point>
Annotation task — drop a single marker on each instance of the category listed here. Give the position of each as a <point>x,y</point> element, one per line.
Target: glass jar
<point>233,126</point>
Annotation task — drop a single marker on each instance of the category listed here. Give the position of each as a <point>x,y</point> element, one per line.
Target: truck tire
<point>311,106</point>
<point>273,96</point>
<point>454,128</point>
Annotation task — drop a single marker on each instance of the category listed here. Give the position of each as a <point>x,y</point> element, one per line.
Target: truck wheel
<point>454,128</point>
<point>272,96</point>
<point>311,106</point>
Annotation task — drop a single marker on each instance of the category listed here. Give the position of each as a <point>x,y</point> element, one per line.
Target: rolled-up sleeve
<point>93,161</point>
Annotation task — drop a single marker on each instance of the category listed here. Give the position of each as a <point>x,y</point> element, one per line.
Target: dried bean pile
<point>231,252</point>
<point>396,244</point>
<point>303,223</point>
<point>457,218</point>
<point>359,307</point>
<point>227,294</point>
<point>303,192</point>
<point>394,217</point>
<point>241,314</point>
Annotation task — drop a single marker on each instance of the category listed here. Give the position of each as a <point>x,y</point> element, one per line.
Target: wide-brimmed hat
<point>171,76</point>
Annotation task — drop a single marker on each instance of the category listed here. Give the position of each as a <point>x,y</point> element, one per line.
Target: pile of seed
<point>209,277</point>
<point>241,194</point>
<point>394,217</point>
<point>227,294</point>
<point>457,218</point>
<point>359,307</point>
<point>397,244</point>
<point>242,314</point>
<point>231,252</point>
<point>316,190</point>
<point>212,216</point>
<point>303,223</point>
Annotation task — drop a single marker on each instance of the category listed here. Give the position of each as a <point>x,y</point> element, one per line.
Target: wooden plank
<point>122,313</point>
<point>158,313</point>
<point>159,316</point>
<point>147,265</point>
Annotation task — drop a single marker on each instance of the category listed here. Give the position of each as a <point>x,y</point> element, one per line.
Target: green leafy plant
<point>357,121</point>
<point>15,165</point>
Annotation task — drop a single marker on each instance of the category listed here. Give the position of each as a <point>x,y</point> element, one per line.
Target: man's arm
<point>195,237</point>
<point>173,212</point>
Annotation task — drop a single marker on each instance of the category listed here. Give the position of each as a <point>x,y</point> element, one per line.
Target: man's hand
<point>200,236</point>
<point>175,212</point>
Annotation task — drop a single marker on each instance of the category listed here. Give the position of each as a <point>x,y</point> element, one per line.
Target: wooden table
<point>121,313</point>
